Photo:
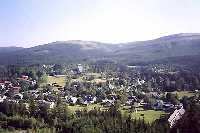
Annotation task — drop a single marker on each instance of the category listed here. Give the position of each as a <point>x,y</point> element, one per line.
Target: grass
<point>74,108</point>
<point>181,94</point>
<point>149,115</point>
<point>59,80</point>
<point>96,75</point>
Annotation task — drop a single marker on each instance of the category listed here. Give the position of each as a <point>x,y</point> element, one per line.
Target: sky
<point>28,23</point>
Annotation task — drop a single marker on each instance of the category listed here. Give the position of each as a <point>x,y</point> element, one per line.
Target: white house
<point>46,103</point>
<point>159,105</point>
<point>80,68</point>
<point>2,98</point>
<point>18,96</point>
<point>72,99</point>
<point>176,116</point>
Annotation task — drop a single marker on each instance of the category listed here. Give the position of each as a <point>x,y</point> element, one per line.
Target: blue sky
<point>32,22</point>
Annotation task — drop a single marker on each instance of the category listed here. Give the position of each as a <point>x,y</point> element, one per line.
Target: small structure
<point>108,102</point>
<point>72,99</point>
<point>46,103</point>
<point>18,96</point>
<point>2,98</point>
<point>2,86</point>
<point>77,70</point>
<point>24,77</point>
<point>159,105</point>
<point>176,116</point>
<point>80,68</point>
<point>131,100</point>
<point>15,89</point>
<point>88,99</point>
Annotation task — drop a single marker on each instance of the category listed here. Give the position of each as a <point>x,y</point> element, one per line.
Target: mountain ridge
<point>171,46</point>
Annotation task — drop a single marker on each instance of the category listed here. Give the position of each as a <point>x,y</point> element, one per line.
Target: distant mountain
<point>9,49</point>
<point>177,45</point>
<point>168,48</point>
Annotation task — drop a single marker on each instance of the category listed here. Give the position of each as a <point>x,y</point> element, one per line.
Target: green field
<point>149,115</point>
<point>181,94</point>
<point>74,108</point>
<point>59,80</point>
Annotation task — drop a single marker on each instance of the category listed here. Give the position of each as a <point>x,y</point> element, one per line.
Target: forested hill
<point>172,48</point>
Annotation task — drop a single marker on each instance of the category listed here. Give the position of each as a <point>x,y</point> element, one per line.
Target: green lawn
<point>149,115</point>
<point>184,93</point>
<point>59,80</point>
<point>96,75</point>
<point>80,107</point>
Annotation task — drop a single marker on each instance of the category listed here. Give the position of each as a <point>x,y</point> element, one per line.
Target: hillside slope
<point>168,48</point>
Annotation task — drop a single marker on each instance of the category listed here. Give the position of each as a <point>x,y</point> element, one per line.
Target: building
<point>2,98</point>
<point>72,99</point>
<point>15,89</point>
<point>80,68</point>
<point>88,99</point>
<point>176,116</point>
<point>24,77</point>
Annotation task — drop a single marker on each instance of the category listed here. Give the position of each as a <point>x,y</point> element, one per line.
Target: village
<point>81,89</point>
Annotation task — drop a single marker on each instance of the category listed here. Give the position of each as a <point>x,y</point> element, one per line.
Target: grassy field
<point>59,80</point>
<point>96,75</point>
<point>184,93</point>
<point>149,115</point>
<point>74,108</point>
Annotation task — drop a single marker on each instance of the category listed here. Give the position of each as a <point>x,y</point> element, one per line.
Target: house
<point>154,94</point>
<point>77,70</point>
<point>131,100</point>
<point>88,99</point>
<point>140,82</point>
<point>18,96</point>
<point>112,97</point>
<point>2,98</point>
<point>26,105</point>
<point>159,105</point>
<point>24,77</point>
<point>111,86</point>
<point>50,104</point>
<point>176,116</point>
<point>2,86</point>
<point>80,68</point>
<point>168,107</point>
<point>15,89</point>
<point>13,101</point>
<point>72,99</point>
<point>46,103</point>
<point>33,82</point>
<point>108,102</point>
<point>179,106</point>
<point>8,83</point>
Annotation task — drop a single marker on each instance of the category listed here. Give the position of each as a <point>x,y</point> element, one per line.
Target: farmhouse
<point>176,116</point>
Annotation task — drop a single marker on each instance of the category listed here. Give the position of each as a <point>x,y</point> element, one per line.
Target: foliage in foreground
<point>41,119</point>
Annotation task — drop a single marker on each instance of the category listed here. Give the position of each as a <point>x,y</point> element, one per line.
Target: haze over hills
<point>168,48</point>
